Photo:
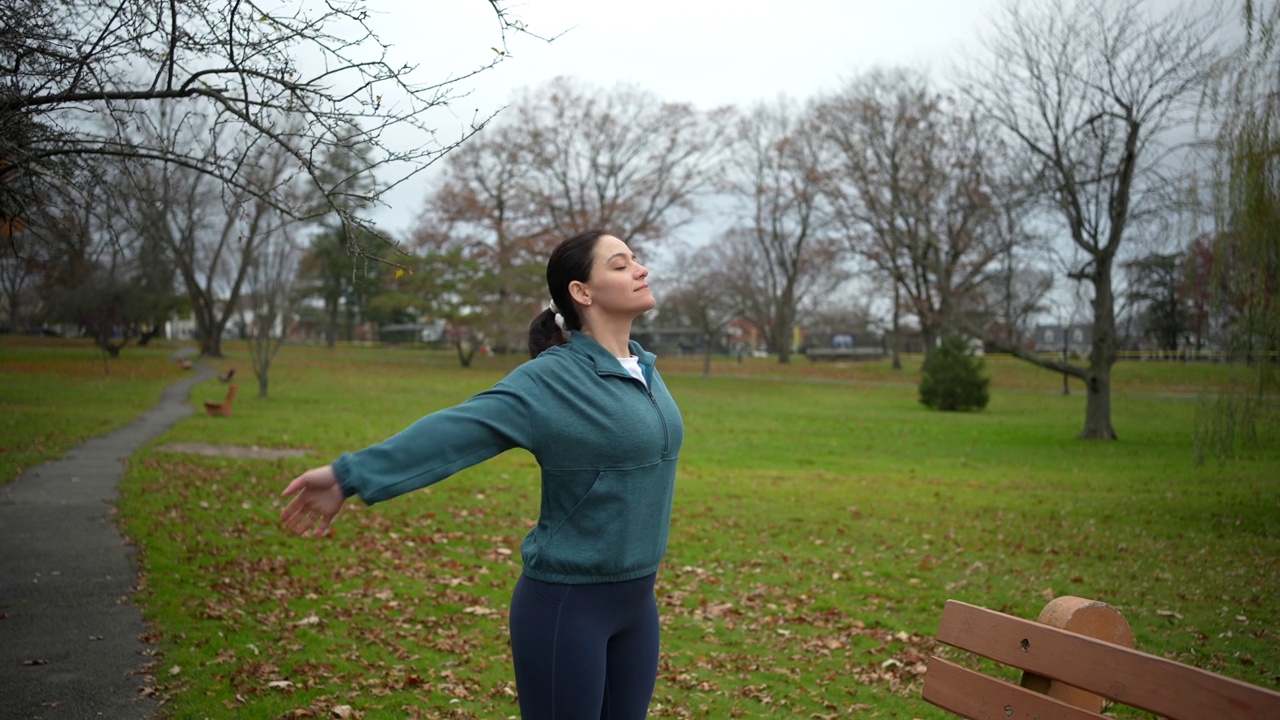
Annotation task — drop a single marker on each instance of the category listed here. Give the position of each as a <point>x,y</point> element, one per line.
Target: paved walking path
<point>69,631</point>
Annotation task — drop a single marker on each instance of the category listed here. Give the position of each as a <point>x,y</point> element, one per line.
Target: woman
<point>593,410</point>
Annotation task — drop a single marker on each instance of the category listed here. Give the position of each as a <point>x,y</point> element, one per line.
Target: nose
<point>642,272</point>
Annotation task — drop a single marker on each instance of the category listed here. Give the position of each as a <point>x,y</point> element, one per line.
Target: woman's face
<point>619,283</point>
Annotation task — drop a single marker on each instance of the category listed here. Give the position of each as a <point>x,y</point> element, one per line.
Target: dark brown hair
<point>570,261</point>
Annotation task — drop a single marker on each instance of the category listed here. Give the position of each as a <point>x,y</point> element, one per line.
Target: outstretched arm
<point>317,500</point>
<point>441,444</point>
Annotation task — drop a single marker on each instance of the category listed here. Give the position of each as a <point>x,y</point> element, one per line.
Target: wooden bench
<point>1075,659</point>
<point>223,409</point>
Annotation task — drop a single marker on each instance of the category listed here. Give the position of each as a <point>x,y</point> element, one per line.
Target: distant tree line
<point>1062,156</point>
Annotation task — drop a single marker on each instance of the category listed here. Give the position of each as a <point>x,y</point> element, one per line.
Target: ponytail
<point>570,261</point>
<point>544,333</point>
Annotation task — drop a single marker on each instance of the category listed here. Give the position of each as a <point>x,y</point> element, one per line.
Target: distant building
<point>744,337</point>
<point>431,331</point>
<point>180,328</point>
<point>1077,339</point>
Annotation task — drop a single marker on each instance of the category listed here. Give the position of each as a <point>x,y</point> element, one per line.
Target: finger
<point>298,484</point>
<point>299,519</point>
<point>322,528</point>
<point>291,510</point>
<point>305,523</point>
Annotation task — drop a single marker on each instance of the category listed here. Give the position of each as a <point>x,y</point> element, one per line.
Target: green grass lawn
<point>55,394</point>
<point>822,518</point>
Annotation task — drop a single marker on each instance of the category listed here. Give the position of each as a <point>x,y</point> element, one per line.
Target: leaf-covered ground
<point>402,612</point>
<point>822,519</point>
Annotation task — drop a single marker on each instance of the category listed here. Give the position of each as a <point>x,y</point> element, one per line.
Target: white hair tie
<point>559,317</point>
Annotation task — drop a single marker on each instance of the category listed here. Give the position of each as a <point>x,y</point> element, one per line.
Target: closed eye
<point>623,260</point>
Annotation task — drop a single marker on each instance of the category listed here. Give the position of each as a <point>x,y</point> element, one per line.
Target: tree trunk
<point>211,346</point>
<point>14,325</point>
<point>784,343</point>
<point>466,351</point>
<point>349,327</point>
<point>1102,355</point>
<point>208,333</point>
<point>1097,411</point>
<point>706,355</point>
<point>897,331</point>
<point>786,322</point>
<point>331,324</point>
<point>928,336</point>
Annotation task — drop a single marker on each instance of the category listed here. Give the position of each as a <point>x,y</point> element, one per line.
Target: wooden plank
<point>1147,682</point>
<point>975,696</point>
<point>1086,617</point>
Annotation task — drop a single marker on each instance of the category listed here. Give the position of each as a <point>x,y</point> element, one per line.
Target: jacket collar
<point>604,360</point>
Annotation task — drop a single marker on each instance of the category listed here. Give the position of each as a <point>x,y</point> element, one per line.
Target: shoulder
<point>554,356</point>
<point>552,362</point>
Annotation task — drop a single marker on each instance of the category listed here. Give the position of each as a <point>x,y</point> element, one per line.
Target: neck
<point>614,337</point>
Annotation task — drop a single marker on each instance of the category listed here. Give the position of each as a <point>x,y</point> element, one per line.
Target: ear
<point>578,291</point>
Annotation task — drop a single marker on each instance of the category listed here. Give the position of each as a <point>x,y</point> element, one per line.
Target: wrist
<point>341,471</point>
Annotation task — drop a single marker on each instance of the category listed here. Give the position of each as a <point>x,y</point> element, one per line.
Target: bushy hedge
<point>953,378</point>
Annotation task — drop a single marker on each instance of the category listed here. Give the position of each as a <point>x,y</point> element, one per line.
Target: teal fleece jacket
<point>607,447</point>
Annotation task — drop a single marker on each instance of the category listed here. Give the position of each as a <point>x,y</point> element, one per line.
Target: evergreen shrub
<point>952,378</point>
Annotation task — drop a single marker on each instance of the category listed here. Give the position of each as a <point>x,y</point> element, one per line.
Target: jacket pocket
<point>620,525</point>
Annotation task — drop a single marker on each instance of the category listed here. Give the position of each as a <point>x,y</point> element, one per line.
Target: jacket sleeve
<point>439,445</point>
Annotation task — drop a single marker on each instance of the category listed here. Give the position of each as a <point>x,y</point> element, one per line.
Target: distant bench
<point>1075,657</point>
<point>867,353</point>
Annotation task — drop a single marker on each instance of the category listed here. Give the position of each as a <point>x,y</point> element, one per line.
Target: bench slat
<point>975,696</point>
<point>1144,681</point>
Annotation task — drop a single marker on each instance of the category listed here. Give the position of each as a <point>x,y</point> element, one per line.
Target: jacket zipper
<point>653,402</point>
<point>666,434</point>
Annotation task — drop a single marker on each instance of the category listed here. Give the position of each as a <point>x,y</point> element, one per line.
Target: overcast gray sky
<point>707,52</point>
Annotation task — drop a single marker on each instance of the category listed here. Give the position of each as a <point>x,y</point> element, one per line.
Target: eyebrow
<point>620,255</point>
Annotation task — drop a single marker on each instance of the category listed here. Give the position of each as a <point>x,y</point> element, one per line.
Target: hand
<point>318,500</point>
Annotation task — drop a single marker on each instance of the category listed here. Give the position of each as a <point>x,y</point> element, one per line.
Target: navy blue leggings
<point>584,652</point>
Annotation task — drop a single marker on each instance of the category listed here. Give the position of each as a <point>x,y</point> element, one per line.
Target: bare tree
<point>210,230</point>
<point>269,297</point>
<point>774,173</point>
<point>566,157</point>
<point>82,270</point>
<point>700,297</point>
<point>23,263</point>
<point>484,212</point>
<point>622,159</point>
<point>915,186</point>
<point>88,277</point>
<point>1022,281</point>
<point>243,65</point>
<point>1094,90</point>
<point>853,312</point>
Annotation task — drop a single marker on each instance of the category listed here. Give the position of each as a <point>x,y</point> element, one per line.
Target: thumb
<point>295,487</point>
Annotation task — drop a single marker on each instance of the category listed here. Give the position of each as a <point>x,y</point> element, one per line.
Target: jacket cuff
<point>342,470</point>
